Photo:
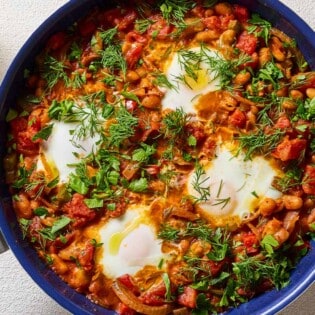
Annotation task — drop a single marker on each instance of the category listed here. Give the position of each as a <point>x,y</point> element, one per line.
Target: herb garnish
<point>54,70</point>
<point>44,133</point>
<point>260,27</point>
<point>199,186</point>
<point>123,128</point>
<point>259,142</point>
<point>174,11</point>
<point>173,123</point>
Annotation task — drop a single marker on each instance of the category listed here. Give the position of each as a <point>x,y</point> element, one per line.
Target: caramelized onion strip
<point>129,299</point>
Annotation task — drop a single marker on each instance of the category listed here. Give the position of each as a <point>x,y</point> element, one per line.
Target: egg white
<point>186,95</point>
<point>59,152</point>
<point>129,243</point>
<point>235,186</point>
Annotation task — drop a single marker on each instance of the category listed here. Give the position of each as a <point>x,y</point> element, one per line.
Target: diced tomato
<point>155,296</point>
<point>303,128</point>
<point>35,226</point>
<point>86,257</point>
<point>225,21</point>
<point>153,169</point>
<point>208,148</point>
<point>290,149</point>
<point>129,283</point>
<point>283,123</point>
<point>250,242</point>
<point>33,125</point>
<point>133,55</point>
<point>238,119</point>
<point>87,27</point>
<point>309,180</point>
<point>196,129</point>
<point>198,11</point>
<point>188,297</point>
<point>131,105</point>
<point>149,124</point>
<point>123,309</point>
<point>212,22</point>
<point>56,41</point>
<point>79,211</point>
<point>23,131</point>
<point>58,244</point>
<point>247,43</point>
<point>120,18</point>
<point>244,292</point>
<point>160,29</point>
<point>17,125</point>
<point>134,36</point>
<point>112,17</point>
<point>25,145</point>
<point>215,266</point>
<point>127,21</point>
<point>218,23</point>
<point>241,13</point>
<point>120,209</point>
<point>252,63</point>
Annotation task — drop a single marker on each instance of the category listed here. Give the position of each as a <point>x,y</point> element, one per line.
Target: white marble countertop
<point>19,294</point>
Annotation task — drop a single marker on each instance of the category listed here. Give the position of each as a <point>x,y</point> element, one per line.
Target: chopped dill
<point>173,123</point>
<point>54,70</point>
<point>259,142</point>
<point>123,128</point>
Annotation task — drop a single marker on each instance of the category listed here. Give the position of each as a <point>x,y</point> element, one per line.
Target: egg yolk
<point>199,81</point>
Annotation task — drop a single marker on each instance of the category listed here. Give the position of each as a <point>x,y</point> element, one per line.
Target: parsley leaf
<point>44,133</point>
<point>139,185</point>
<point>59,224</point>
<point>144,153</point>
<point>269,243</point>
<point>260,27</point>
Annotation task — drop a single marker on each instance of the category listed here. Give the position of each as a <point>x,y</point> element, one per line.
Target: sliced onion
<point>181,311</point>
<point>129,299</point>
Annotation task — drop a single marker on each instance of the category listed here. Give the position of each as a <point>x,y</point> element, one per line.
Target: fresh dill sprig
<point>108,36</point>
<point>251,272</point>
<point>221,201</point>
<point>142,25</point>
<point>200,184</point>
<point>78,79</point>
<point>75,52</point>
<point>174,11</point>
<point>112,58</point>
<point>223,69</point>
<point>53,71</point>
<point>38,184</point>
<point>173,123</point>
<point>259,142</point>
<point>123,128</point>
<point>168,233</point>
<point>162,81</point>
<point>190,62</point>
<point>90,117</point>
<point>91,121</point>
<point>272,107</point>
<point>292,178</point>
